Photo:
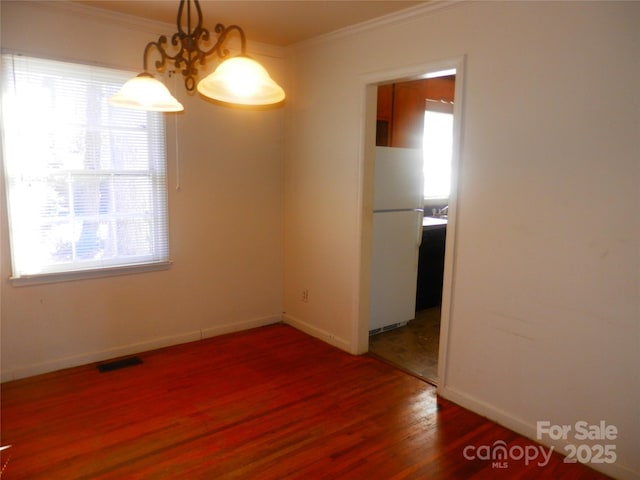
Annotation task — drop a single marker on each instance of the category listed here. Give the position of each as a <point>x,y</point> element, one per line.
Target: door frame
<point>369,83</point>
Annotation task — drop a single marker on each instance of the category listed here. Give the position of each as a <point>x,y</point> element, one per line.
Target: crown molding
<point>395,18</point>
<point>108,16</point>
<point>153,27</point>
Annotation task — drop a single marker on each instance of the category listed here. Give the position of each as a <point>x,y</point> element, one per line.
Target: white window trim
<point>91,272</point>
<point>45,278</point>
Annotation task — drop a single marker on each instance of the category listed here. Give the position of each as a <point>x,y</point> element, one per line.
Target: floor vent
<point>118,364</point>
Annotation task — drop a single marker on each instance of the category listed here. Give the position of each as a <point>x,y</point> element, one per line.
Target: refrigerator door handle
<point>420,216</point>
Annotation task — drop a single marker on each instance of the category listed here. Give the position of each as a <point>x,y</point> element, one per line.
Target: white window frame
<point>437,151</point>
<point>26,140</point>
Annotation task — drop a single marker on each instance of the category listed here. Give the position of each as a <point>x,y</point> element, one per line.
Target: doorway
<point>419,346</point>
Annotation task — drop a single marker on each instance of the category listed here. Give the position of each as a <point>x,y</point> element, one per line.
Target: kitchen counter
<point>429,223</point>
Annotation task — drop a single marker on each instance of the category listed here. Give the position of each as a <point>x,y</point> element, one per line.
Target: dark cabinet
<point>431,267</point>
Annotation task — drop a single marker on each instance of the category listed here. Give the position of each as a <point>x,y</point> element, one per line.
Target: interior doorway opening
<point>419,113</point>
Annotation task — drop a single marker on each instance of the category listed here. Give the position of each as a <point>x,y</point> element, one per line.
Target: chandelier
<point>237,80</point>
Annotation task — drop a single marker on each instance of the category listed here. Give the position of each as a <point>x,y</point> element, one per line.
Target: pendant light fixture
<point>238,80</point>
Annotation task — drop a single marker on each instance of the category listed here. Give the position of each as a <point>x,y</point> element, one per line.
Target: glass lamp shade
<point>243,81</point>
<point>146,93</point>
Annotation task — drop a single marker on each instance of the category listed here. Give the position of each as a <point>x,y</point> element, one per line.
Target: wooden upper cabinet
<point>408,115</point>
<point>401,107</point>
<point>385,115</point>
<point>440,92</point>
<point>440,88</point>
<point>385,102</point>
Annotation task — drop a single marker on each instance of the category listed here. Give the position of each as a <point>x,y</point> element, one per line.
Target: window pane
<point>437,148</point>
<point>86,181</point>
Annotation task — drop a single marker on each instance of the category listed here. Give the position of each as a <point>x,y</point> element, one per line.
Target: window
<point>86,182</point>
<point>438,142</point>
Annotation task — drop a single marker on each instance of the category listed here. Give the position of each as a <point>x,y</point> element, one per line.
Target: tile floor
<point>414,347</point>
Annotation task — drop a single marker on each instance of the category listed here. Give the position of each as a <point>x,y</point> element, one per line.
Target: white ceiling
<point>274,22</point>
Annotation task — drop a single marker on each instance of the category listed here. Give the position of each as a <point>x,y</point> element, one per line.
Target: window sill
<point>39,279</point>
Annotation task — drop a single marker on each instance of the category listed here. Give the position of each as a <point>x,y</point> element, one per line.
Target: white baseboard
<point>133,348</point>
<point>529,430</point>
<point>237,327</point>
<point>97,356</point>
<point>318,333</point>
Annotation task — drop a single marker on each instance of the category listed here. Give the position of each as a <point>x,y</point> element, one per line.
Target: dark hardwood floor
<point>269,403</point>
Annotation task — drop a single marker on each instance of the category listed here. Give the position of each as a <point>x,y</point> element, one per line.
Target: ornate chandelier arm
<point>159,45</point>
<point>188,51</point>
<point>223,32</point>
<point>187,44</point>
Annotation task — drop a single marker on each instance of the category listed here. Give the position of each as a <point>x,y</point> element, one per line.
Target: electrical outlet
<point>305,295</point>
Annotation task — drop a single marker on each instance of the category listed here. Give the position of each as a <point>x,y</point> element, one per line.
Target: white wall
<point>225,220</point>
<point>544,319</point>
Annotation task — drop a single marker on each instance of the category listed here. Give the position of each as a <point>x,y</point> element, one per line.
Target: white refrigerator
<point>397,234</point>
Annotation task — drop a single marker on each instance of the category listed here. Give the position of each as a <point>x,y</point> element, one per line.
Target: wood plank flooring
<point>269,403</point>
